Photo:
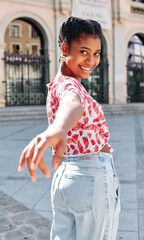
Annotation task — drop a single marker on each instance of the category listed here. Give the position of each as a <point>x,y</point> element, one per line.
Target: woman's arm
<point>69,112</point>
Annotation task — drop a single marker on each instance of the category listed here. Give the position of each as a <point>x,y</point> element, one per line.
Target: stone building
<point>22,37</point>
<point>29,34</point>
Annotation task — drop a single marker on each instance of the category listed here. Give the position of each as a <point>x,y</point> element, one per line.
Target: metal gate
<point>26,76</point>
<point>97,83</point>
<point>135,82</point>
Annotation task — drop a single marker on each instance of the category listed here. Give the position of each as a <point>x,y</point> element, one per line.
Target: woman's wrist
<point>60,125</point>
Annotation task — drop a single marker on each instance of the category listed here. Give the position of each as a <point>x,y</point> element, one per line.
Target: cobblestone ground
<point>17,222</point>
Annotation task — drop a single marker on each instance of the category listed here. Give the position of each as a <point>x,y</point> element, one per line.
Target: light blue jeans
<point>85,196</point>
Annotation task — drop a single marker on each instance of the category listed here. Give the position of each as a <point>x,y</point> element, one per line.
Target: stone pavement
<point>17,222</point>
<point>25,208</point>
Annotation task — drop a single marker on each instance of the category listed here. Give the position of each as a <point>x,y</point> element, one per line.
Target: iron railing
<point>135,82</point>
<point>26,78</point>
<point>97,83</point>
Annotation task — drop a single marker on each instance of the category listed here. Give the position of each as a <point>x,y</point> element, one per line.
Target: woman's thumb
<point>58,157</point>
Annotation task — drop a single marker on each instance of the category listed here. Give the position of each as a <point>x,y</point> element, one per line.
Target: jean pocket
<point>78,192</point>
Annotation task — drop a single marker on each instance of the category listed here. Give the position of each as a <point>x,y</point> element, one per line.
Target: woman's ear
<point>64,48</point>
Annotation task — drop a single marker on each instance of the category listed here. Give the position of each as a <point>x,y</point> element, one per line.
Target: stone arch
<point>136,31</point>
<point>32,18</point>
<point>45,35</point>
<point>107,43</point>
<point>135,73</point>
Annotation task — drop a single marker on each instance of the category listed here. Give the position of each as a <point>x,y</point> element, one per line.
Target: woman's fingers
<point>33,153</point>
<point>28,153</point>
<point>31,171</point>
<point>33,175</point>
<point>42,166</point>
<point>58,157</point>
<point>22,160</point>
<point>31,147</point>
<point>42,146</point>
<point>38,152</point>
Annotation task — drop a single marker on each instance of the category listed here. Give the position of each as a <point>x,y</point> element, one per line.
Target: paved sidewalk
<point>25,208</point>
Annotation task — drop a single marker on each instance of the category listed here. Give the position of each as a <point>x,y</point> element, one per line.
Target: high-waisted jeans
<point>85,196</point>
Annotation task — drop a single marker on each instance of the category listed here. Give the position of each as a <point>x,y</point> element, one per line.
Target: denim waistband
<point>89,156</point>
<point>91,160</point>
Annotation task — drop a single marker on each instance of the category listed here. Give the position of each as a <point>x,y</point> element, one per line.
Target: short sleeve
<point>70,85</point>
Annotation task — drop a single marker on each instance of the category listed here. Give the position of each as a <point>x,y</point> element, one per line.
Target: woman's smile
<point>86,69</point>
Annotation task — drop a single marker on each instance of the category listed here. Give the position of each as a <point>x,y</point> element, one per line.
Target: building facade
<point>29,33</point>
<point>14,17</point>
<point>128,18</point>
<point>22,37</point>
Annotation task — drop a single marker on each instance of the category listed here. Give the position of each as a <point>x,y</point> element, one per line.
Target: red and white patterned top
<point>91,132</point>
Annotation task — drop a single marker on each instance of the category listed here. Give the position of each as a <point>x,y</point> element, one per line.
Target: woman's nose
<point>91,60</point>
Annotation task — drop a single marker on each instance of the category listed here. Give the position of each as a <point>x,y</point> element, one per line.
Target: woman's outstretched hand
<point>33,153</point>
<point>69,112</point>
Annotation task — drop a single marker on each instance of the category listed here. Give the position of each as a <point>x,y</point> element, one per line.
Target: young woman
<point>85,187</point>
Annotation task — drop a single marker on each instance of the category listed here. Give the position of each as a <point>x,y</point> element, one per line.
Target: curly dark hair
<point>73,27</point>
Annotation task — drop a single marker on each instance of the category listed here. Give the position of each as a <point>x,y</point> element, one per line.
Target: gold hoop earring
<point>62,58</point>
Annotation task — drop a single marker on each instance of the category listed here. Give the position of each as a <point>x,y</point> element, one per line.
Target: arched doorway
<point>26,63</point>
<point>135,69</point>
<point>97,83</point>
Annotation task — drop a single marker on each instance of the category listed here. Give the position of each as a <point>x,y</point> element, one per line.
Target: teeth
<point>87,69</point>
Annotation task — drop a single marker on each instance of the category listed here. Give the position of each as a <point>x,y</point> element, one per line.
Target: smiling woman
<point>85,188</point>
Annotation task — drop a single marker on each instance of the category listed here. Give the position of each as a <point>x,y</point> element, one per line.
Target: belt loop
<point>99,154</point>
<point>112,162</point>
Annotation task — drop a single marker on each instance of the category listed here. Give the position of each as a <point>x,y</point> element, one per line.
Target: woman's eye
<point>83,52</point>
<point>97,54</point>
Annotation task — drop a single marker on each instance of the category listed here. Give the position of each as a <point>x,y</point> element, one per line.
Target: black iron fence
<point>26,77</point>
<point>135,82</point>
<point>97,83</point>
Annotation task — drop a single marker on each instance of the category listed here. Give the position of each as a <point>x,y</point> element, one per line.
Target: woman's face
<point>82,56</point>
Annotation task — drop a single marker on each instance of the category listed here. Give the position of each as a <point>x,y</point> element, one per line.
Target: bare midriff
<point>105,149</point>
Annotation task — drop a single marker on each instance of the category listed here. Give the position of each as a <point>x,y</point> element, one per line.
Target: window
<point>136,50</point>
<point>15,31</point>
<point>34,33</point>
<point>34,49</point>
<point>15,48</point>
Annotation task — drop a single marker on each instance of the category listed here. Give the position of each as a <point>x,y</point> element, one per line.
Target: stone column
<point>110,78</point>
<point>119,63</point>
<point>2,77</point>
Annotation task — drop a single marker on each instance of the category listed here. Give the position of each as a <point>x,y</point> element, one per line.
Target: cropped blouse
<point>91,132</point>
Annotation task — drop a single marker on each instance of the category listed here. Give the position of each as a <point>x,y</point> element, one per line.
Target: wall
<point>39,12</point>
